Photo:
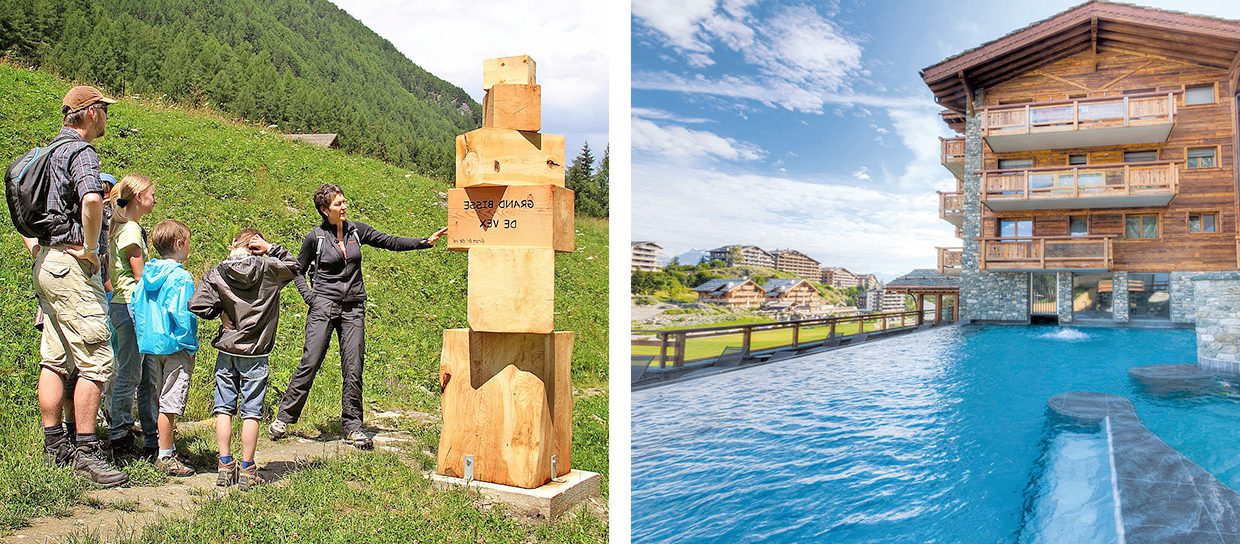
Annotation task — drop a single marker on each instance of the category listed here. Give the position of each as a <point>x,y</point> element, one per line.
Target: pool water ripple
<point>932,437</point>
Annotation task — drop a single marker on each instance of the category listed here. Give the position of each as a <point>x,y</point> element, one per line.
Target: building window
<point>1199,94</point>
<point>1078,225</point>
<point>1202,222</point>
<point>1141,227</point>
<point>1140,156</point>
<point>1149,296</point>
<point>1012,164</point>
<point>1202,157</point>
<point>1076,160</point>
<point>1145,90</point>
<point>1091,296</point>
<point>1015,228</point>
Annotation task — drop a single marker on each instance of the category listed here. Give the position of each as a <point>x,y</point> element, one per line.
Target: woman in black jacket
<point>331,258</point>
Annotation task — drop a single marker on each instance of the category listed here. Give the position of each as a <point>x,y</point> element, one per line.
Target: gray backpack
<point>27,184</point>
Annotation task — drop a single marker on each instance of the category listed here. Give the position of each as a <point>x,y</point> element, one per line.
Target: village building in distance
<point>738,255</point>
<point>795,262</point>
<point>740,293</point>
<point>646,256</point>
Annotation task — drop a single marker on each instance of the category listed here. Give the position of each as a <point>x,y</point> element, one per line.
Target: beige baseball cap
<point>81,97</point>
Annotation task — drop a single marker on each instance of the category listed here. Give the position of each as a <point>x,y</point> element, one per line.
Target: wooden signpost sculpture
<point>507,393</point>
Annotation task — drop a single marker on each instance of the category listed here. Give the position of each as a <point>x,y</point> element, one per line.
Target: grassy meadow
<point>218,175</point>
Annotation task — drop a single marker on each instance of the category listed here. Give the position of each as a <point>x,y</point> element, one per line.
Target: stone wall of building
<point>985,296</point>
<point>1063,296</point>
<point>1119,298</point>
<point>1217,302</point>
<point>1183,305</point>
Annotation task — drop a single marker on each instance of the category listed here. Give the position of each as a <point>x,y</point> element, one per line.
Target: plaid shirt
<point>72,181</point>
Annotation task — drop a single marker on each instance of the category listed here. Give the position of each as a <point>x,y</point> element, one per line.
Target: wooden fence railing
<point>951,150</point>
<point>951,205</point>
<point>673,343</point>
<point>1123,179</point>
<point>1046,252</point>
<point>951,260</point>
<point>1080,114</point>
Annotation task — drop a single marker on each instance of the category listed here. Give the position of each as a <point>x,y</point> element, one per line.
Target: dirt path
<point>107,513</point>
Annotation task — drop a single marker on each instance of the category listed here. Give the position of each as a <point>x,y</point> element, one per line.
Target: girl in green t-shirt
<point>131,199</point>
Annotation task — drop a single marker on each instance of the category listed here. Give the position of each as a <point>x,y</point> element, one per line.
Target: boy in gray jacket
<point>244,292</point>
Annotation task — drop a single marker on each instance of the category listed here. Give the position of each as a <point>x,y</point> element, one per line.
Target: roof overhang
<point>1093,26</point>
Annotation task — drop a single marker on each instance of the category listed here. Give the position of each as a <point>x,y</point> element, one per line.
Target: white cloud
<point>663,115</point>
<point>862,174</point>
<point>571,49</point>
<point>864,229</point>
<point>687,144</point>
<point>770,92</point>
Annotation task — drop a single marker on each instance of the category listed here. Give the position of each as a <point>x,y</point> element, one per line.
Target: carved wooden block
<point>495,156</point>
<point>515,107</point>
<point>511,289</point>
<point>514,216</point>
<point>519,70</point>
<point>507,402</point>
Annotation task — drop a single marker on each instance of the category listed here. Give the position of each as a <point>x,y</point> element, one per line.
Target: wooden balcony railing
<point>951,150</point>
<point>1046,253</point>
<point>1081,114</point>
<point>950,260</point>
<point>951,206</point>
<point>1108,180</point>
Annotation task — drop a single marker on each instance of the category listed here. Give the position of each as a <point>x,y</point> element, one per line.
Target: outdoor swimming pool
<point>939,436</point>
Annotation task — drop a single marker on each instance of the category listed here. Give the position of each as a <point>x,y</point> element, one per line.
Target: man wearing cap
<point>70,290</point>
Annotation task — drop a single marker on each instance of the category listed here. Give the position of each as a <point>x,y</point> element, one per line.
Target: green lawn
<point>218,175</point>
<point>712,346</point>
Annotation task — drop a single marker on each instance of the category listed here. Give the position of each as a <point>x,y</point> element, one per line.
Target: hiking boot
<point>358,439</point>
<point>125,447</point>
<point>278,429</point>
<point>226,474</point>
<point>89,462</point>
<point>149,454</point>
<point>173,465</point>
<point>248,477</point>
<point>59,453</point>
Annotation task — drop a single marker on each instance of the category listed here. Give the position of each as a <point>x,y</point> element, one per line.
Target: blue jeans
<point>134,373</point>
<point>240,382</point>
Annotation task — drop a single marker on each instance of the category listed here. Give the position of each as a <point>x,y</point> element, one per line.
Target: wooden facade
<point>1128,117</point>
<point>1194,190</point>
<point>797,291</point>
<point>736,293</point>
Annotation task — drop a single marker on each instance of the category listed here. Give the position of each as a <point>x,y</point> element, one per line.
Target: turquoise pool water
<point>940,436</point>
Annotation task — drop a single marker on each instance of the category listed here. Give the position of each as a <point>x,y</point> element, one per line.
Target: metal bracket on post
<point>553,467</point>
<point>469,468</point>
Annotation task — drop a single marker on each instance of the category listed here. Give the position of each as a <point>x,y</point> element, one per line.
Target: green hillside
<point>217,176</point>
<point>305,65</point>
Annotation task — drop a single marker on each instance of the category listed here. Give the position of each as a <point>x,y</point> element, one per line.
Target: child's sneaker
<point>226,473</point>
<point>278,429</point>
<point>248,477</point>
<point>174,466</point>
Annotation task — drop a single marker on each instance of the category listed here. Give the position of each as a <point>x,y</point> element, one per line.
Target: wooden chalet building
<point>731,292</point>
<point>792,292</point>
<point>1096,164</point>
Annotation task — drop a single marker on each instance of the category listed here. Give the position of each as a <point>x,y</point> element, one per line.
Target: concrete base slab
<point>548,501</point>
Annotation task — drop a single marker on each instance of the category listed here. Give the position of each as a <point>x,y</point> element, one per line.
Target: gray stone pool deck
<point>1163,496</point>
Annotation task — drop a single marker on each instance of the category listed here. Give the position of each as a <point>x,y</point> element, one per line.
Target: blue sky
<point>567,38</point>
<point>804,124</point>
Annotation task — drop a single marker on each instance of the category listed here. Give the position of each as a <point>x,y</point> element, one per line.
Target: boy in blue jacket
<point>167,332</point>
